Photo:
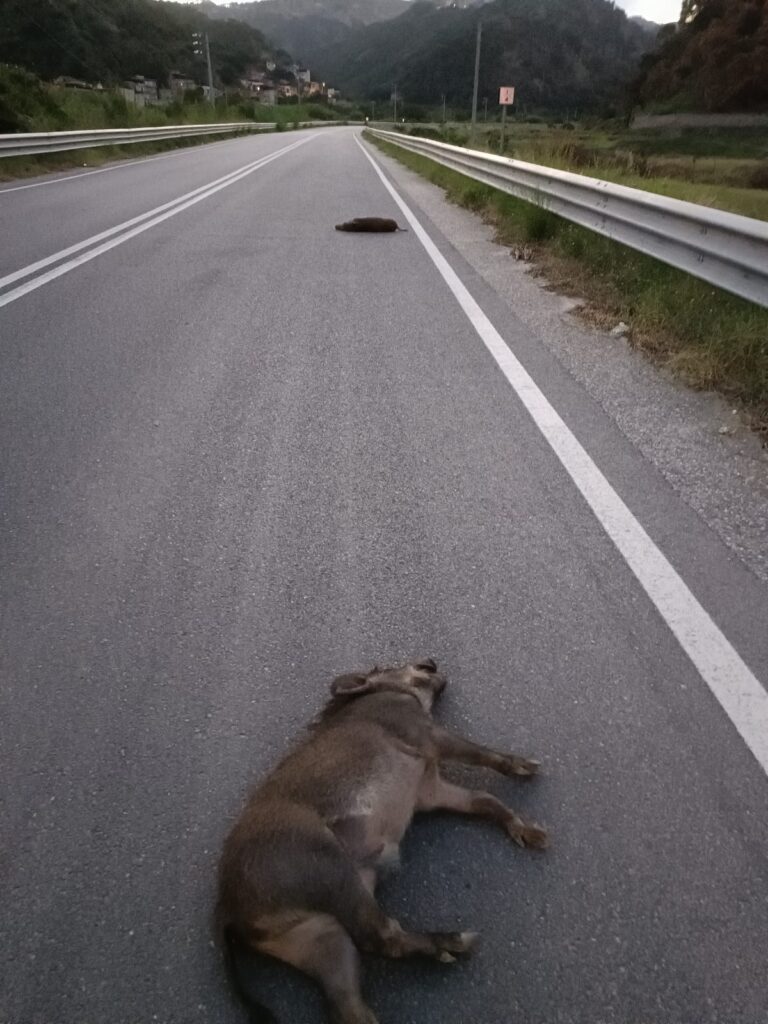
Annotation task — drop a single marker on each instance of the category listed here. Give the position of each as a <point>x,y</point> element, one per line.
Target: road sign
<point>507,95</point>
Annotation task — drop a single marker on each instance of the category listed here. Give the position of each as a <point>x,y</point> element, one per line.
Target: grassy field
<point>711,339</point>
<point>724,169</point>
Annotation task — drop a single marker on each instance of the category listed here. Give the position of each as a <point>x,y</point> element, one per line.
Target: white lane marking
<point>118,165</point>
<point>32,268</point>
<point>734,685</point>
<point>142,222</point>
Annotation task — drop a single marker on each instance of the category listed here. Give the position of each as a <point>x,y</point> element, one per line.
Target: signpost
<point>506,99</point>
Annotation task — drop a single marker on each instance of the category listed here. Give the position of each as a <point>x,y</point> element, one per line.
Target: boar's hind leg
<point>374,932</point>
<point>438,795</point>
<point>321,948</point>
<point>455,748</point>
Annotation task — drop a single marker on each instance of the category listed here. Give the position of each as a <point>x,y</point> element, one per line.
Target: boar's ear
<point>351,685</point>
<point>427,665</point>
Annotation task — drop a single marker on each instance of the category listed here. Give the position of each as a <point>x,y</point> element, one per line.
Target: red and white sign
<point>506,95</point>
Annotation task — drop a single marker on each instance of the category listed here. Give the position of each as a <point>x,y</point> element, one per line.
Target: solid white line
<point>736,688</point>
<point>171,209</point>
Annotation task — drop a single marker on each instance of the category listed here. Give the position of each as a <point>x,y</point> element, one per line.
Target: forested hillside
<point>715,60</point>
<point>305,27</point>
<point>109,40</point>
<point>561,54</point>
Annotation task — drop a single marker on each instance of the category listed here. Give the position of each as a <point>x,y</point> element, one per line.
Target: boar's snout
<point>419,678</point>
<point>432,679</point>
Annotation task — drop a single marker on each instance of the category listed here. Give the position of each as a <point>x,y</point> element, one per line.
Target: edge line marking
<point>730,680</point>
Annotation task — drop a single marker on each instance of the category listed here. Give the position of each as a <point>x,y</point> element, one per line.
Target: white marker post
<point>506,99</point>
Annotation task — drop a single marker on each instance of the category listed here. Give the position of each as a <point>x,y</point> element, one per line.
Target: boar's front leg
<point>436,794</point>
<point>455,748</point>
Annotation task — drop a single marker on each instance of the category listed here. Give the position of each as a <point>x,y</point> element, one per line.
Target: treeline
<point>562,55</point>
<point>715,60</point>
<point>109,40</point>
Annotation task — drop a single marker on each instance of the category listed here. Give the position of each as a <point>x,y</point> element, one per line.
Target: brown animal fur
<point>299,868</point>
<point>372,224</point>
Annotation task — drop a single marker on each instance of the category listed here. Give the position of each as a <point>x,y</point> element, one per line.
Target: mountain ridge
<point>561,54</point>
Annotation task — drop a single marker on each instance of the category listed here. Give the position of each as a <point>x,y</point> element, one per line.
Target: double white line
<point>96,245</point>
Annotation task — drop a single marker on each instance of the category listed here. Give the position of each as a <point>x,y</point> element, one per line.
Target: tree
<point>717,60</point>
<point>691,8</point>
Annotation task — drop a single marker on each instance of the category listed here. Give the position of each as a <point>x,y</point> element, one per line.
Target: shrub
<point>759,176</point>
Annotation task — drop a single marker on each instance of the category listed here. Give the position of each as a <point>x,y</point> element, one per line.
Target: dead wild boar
<point>373,225</point>
<point>299,868</point>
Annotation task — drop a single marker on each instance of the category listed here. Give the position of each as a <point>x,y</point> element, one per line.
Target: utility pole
<point>201,40</point>
<point>210,69</point>
<point>295,69</point>
<point>485,108</point>
<point>477,77</point>
<point>443,108</point>
<point>394,101</point>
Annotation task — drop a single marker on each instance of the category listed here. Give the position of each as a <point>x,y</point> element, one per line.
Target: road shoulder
<point>695,440</point>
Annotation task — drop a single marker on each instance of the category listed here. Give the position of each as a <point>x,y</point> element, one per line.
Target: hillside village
<point>153,54</point>
<point>260,85</point>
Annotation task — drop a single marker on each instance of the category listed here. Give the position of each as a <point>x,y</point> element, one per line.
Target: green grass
<point>727,170</point>
<point>710,338</point>
<point>745,201</point>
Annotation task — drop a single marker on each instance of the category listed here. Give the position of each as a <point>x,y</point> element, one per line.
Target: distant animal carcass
<point>371,224</point>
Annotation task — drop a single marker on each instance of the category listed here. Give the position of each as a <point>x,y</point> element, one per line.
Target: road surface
<point>243,452</point>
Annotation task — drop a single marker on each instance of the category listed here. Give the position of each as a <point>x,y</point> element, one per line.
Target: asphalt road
<point>242,452</point>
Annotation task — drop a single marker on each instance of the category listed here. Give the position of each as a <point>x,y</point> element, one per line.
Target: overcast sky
<point>654,10</point>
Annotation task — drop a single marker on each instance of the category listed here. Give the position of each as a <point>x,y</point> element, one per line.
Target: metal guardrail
<point>32,143</point>
<point>724,249</point>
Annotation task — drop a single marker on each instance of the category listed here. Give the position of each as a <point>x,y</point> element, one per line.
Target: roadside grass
<point>708,338</point>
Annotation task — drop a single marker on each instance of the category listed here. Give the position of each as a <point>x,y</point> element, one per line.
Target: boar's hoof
<point>448,944</point>
<point>534,836</point>
<point>521,766</point>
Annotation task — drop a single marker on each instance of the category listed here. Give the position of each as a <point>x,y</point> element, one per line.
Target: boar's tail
<point>234,946</point>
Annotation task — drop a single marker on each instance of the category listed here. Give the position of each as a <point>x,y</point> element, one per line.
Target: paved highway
<point>242,452</point>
